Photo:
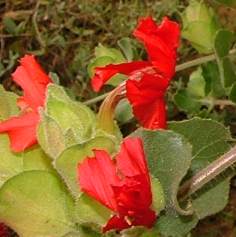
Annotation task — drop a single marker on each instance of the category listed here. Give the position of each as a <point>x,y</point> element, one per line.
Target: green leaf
<point>123,111</point>
<point>89,211</point>
<point>115,54</point>
<point>67,162</point>
<point>201,36</point>
<point>86,231</point>
<point>186,102</point>
<point>8,105</point>
<point>103,57</point>
<point>174,225</point>
<point>50,136</point>
<point>213,80</point>
<point>36,203</point>
<point>229,75</point>
<point>232,95</point>
<point>196,85</point>
<point>209,140</point>
<point>139,231</point>
<point>12,164</point>
<point>196,11</point>
<point>70,114</point>
<point>36,159</point>
<point>212,198</point>
<point>169,158</point>
<point>199,26</point>
<point>223,42</point>
<point>127,48</point>
<point>201,132</point>
<point>64,122</point>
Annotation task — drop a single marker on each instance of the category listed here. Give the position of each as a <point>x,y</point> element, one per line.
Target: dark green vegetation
<point>63,34</point>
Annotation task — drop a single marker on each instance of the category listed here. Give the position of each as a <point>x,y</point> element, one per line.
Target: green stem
<point>180,67</point>
<point>96,99</point>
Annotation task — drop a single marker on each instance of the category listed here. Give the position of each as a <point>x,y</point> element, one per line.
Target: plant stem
<point>180,67</point>
<point>96,99</point>
<point>208,173</point>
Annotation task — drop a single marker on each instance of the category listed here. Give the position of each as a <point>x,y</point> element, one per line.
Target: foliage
<point>73,38</point>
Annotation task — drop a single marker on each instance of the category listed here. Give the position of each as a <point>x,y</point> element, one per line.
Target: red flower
<point>22,129</point>
<point>147,80</point>
<point>124,186</point>
<point>4,231</point>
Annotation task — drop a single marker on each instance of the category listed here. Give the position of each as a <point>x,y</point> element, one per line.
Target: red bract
<point>147,80</point>
<point>124,186</point>
<point>22,128</point>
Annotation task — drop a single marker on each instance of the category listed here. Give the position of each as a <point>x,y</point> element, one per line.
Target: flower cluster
<point>121,184</point>
<point>147,80</point>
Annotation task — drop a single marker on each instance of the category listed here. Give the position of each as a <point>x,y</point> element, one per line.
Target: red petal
<point>96,175</point>
<point>32,79</point>
<point>116,223</point>
<point>160,42</point>
<point>131,159</point>
<point>103,74</point>
<point>147,218</point>
<point>147,99</point>
<point>169,31</point>
<point>21,130</point>
<point>135,194</point>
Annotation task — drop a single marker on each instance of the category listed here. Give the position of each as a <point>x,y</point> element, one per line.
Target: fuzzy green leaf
<point>89,211</point>
<point>169,158</point>
<point>36,203</point>
<point>209,140</point>
<point>8,105</point>
<point>12,164</point>
<point>64,122</point>
<point>67,162</point>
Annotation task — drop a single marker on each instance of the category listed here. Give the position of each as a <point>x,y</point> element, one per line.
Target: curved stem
<point>107,108</point>
<point>208,173</point>
<point>180,67</point>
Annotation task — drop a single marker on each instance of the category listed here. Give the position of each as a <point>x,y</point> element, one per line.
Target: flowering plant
<point>67,172</point>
